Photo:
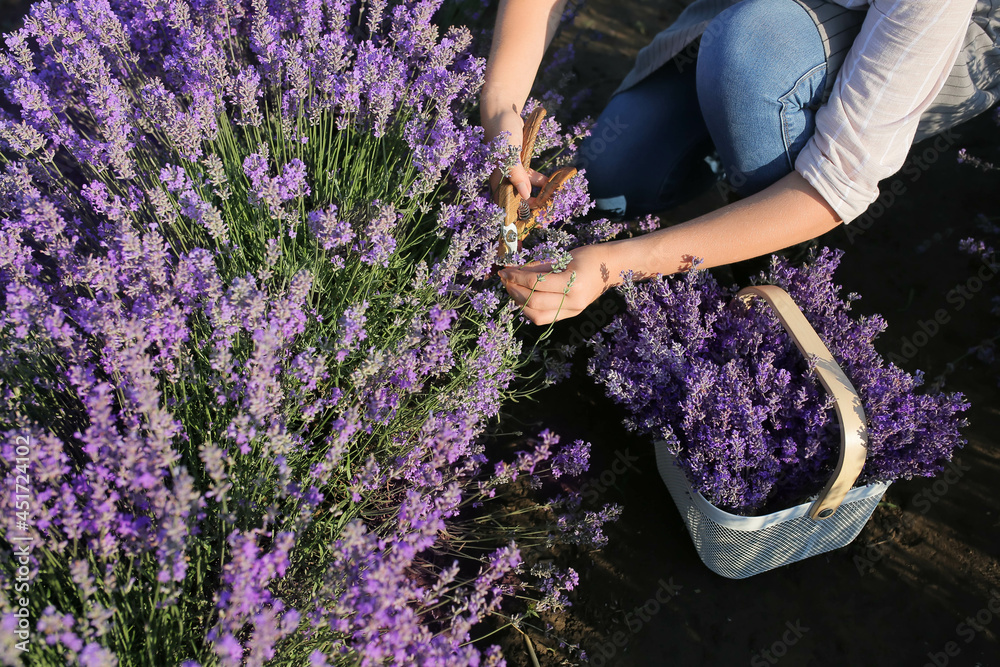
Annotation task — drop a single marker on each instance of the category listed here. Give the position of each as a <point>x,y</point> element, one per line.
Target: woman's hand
<point>522,179</point>
<point>523,31</point>
<point>547,297</point>
<point>785,213</point>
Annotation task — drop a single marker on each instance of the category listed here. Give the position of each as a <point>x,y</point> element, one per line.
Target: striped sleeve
<point>899,62</point>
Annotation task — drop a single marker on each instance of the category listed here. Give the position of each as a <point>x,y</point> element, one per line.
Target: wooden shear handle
<point>518,218</point>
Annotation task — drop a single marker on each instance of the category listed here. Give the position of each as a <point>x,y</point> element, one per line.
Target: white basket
<point>738,547</point>
<point>741,546</point>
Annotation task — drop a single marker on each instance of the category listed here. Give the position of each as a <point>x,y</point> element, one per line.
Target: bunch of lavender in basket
<point>249,349</point>
<point>747,420</point>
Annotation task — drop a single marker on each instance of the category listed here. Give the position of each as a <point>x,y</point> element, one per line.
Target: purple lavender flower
<point>572,460</point>
<point>377,243</point>
<point>205,379</point>
<point>724,386</point>
<point>330,230</point>
<point>352,330</point>
<point>274,191</point>
<point>964,157</point>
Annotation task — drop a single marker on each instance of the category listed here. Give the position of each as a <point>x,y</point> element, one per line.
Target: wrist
<point>508,122</point>
<point>610,258</point>
<point>635,255</point>
<point>496,100</point>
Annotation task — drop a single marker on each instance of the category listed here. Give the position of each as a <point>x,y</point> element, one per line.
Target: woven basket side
<point>781,538</point>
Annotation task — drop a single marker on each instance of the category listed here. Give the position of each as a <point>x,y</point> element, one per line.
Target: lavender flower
<point>739,407</point>
<point>243,324</point>
<point>330,231</point>
<point>377,242</point>
<point>352,326</point>
<point>274,191</point>
<point>965,158</point>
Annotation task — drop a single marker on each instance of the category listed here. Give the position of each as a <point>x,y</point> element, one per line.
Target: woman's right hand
<point>523,31</point>
<point>522,179</point>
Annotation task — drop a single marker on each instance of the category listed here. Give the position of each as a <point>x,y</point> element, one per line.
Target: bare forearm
<point>786,213</point>
<point>523,31</point>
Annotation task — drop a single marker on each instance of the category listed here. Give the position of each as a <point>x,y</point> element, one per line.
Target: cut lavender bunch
<point>742,412</point>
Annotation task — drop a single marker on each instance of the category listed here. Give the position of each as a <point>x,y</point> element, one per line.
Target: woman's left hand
<point>547,297</point>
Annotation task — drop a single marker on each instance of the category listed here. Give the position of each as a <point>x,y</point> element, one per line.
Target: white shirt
<point>903,57</point>
<point>899,62</point>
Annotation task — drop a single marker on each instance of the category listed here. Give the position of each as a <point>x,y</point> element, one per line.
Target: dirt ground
<point>921,583</point>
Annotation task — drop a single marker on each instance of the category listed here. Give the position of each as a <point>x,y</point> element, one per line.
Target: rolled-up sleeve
<point>899,62</point>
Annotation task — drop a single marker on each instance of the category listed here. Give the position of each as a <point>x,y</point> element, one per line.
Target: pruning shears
<point>519,218</point>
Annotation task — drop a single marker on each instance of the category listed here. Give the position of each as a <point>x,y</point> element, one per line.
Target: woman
<point>808,103</point>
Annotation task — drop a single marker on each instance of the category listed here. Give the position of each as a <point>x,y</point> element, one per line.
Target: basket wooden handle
<point>850,412</point>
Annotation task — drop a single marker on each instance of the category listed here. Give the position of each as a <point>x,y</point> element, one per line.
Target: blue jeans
<point>761,74</point>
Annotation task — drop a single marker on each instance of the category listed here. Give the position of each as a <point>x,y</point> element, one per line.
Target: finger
<point>521,181</point>
<point>537,178</point>
<point>549,313</point>
<point>538,301</point>
<point>530,276</point>
<point>541,317</point>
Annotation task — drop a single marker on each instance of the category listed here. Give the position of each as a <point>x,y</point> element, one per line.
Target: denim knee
<point>642,150</point>
<point>603,156</point>
<point>760,71</point>
<point>749,38</point>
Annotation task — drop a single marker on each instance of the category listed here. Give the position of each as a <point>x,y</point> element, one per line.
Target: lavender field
<point>264,400</point>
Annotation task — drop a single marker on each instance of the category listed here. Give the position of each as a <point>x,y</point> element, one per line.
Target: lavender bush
<point>250,338</point>
<point>748,421</point>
